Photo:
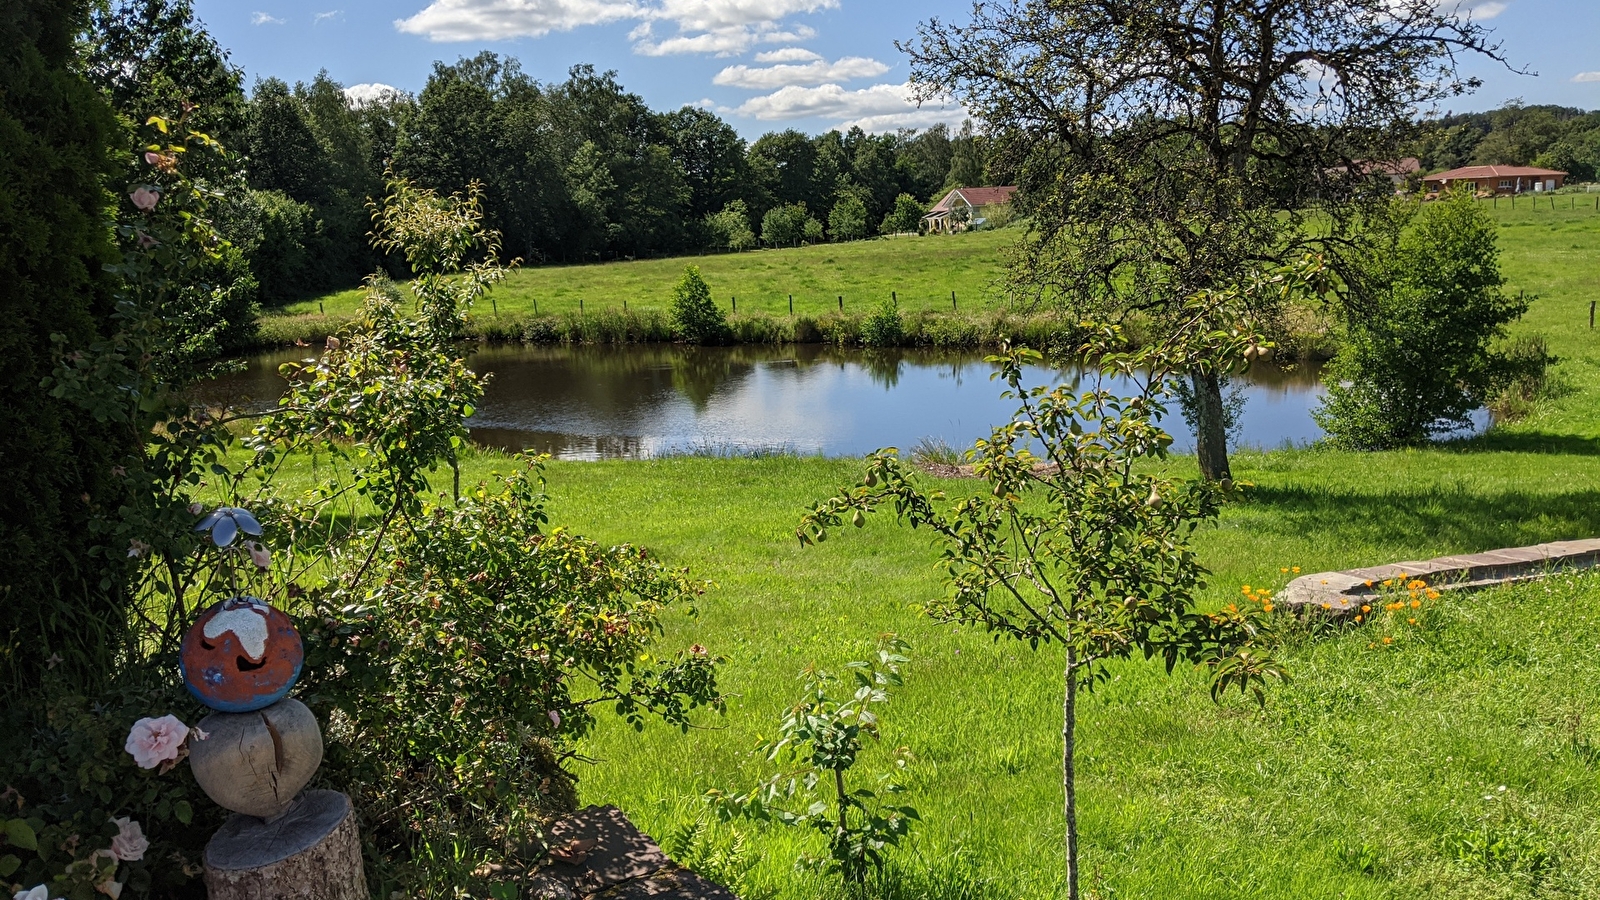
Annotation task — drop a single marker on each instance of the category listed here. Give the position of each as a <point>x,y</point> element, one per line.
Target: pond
<point>639,401</point>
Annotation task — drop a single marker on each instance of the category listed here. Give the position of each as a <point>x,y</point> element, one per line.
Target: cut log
<point>311,852</point>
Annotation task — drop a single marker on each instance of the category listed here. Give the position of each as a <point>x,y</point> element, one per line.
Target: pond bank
<point>978,330</point>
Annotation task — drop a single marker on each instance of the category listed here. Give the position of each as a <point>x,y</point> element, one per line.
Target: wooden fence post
<point>791,305</point>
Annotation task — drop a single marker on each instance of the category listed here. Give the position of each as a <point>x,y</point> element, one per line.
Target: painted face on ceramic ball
<point>241,655</point>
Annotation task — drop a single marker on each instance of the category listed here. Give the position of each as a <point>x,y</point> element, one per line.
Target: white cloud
<point>261,18</point>
<point>881,107</point>
<point>371,92</point>
<point>1586,77</point>
<point>723,27</point>
<point>710,15</point>
<point>819,72</point>
<point>1478,10</point>
<point>788,55</point>
<point>321,17</point>
<point>483,20</point>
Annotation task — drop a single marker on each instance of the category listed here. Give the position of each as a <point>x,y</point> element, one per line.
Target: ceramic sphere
<point>241,655</point>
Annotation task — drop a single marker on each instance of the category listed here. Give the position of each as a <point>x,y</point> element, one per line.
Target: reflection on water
<point>646,400</point>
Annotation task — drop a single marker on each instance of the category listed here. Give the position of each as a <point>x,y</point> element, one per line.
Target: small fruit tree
<point>1080,542</point>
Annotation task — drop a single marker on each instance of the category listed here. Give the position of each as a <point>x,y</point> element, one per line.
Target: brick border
<point>1341,593</point>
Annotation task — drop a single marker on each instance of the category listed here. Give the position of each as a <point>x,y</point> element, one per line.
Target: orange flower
<point>1267,607</point>
<point>1366,609</point>
<point>1417,604</point>
<point>1388,640</point>
<point>1358,620</point>
<point>1413,621</point>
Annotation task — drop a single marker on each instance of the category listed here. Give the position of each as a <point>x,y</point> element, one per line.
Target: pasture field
<point>923,270</point>
<point>1462,760</point>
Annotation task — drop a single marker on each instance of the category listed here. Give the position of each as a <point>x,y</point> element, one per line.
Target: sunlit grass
<point>1373,774</point>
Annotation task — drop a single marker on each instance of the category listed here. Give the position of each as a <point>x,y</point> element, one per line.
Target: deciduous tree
<point>1173,146</point>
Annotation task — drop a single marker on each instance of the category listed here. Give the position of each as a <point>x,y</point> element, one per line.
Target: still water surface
<point>639,401</point>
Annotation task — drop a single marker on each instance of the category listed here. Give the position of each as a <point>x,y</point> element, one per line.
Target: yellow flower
<point>1284,570</point>
<point>1417,604</point>
<point>1295,569</point>
<point>1433,595</point>
<point>1417,585</point>
<point>1366,609</point>
<point>1266,607</point>
<point>1358,620</point>
<point>1247,589</point>
<point>1413,621</point>
<point>1388,640</point>
<point>1368,582</point>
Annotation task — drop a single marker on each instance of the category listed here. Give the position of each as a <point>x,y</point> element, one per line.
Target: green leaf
<point>183,811</point>
<point>20,834</point>
<point>8,865</point>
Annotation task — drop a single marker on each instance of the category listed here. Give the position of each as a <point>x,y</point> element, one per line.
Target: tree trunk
<point>313,852</point>
<point>1210,426</point>
<point>1069,775</point>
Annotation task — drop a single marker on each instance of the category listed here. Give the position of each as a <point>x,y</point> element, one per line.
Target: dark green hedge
<point>55,463</point>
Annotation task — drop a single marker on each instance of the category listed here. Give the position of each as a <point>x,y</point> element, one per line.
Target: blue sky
<point>762,64</point>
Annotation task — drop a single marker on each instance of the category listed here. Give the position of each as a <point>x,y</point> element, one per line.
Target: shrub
<point>695,315</point>
<point>460,681</point>
<point>1419,353</point>
<point>883,328</point>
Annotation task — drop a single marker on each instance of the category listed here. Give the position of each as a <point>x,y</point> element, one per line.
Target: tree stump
<point>311,852</point>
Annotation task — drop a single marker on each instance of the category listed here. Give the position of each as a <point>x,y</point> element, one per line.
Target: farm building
<point>965,208</point>
<point>1498,179</point>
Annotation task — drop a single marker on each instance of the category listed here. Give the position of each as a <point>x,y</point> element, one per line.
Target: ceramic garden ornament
<point>241,655</point>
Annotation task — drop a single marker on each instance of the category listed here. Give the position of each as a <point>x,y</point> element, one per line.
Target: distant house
<point>965,208</point>
<point>1498,179</point>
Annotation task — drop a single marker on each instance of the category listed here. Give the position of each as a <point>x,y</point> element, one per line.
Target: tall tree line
<point>575,171</point>
<point>1551,137</point>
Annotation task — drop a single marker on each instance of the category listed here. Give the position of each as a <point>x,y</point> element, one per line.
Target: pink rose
<point>130,843</point>
<point>145,199</point>
<point>152,742</point>
<point>555,718</point>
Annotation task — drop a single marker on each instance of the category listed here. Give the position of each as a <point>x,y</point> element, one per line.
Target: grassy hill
<point>923,270</point>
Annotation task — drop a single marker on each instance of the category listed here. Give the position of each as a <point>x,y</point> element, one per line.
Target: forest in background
<point>583,170</point>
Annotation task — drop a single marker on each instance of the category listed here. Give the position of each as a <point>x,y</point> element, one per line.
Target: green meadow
<point>1460,759</point>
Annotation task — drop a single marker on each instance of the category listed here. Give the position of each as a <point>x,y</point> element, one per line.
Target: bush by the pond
<point>883,328</point>
<point>695,315</point>
<point>1420,351</point>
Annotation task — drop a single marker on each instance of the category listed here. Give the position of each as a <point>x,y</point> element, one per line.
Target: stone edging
<point>1341,593</point>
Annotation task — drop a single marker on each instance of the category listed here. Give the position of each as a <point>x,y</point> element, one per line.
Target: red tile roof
<point>975,197</point>
<point>1469,173</point>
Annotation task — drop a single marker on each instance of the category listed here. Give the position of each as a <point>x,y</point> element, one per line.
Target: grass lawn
<point>923,270</point>
<point>1458,762</point>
